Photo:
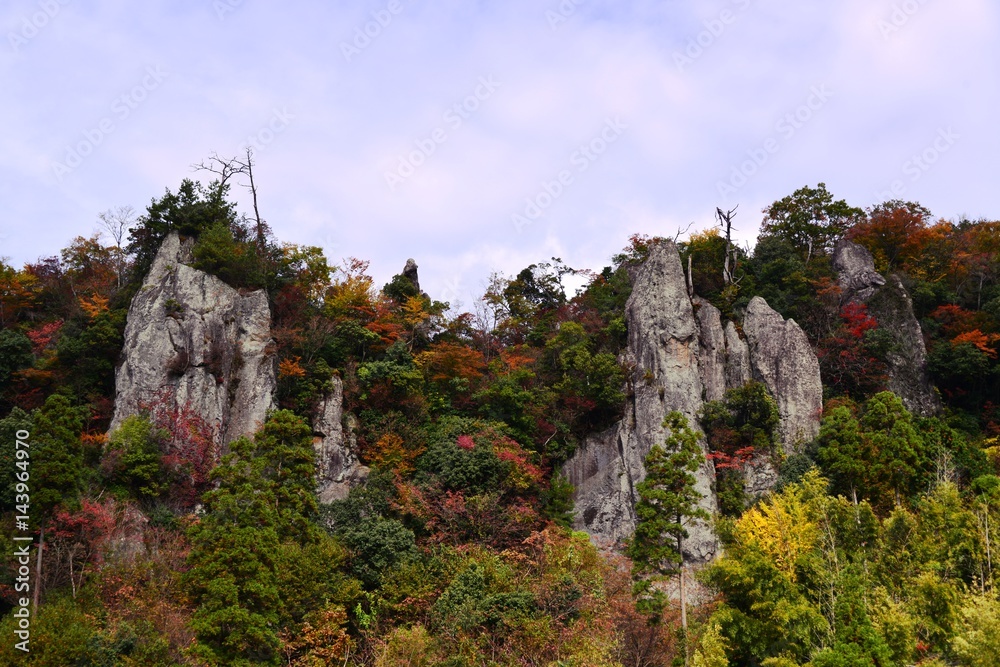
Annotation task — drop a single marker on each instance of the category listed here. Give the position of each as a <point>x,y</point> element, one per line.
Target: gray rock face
<point>195,343</point>
<point>856,272</point>
<point>712,350</point>
<point>337,466</point>
<point>737,358</point>
<point>410,272</point>
<point>782,358</point>
<point>664,348</point>
<point>681,356</point>
<point>890,304</point>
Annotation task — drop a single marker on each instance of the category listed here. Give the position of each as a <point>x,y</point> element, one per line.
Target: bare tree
<point>117,222</point>
<point>726,222</point>
<point>225,169</point>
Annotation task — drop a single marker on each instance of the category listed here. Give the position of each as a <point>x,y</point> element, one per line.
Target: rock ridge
<point>681,355</point>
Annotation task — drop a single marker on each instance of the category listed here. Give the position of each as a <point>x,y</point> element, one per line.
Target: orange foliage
<point>94,306</point>
<point>956,320</point>
<point>391,452</point>
<point>444,361</point>
<point>983,342</point>
<point>291,368</point>
<point>895,233</point>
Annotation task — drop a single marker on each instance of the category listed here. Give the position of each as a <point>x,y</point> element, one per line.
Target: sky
<point>484,136</point>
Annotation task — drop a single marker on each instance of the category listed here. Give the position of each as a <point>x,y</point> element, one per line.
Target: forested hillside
<point>164,546</point>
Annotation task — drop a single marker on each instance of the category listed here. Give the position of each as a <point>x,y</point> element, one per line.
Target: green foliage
<point>377,546</point>
<point>596,377</point>
<point>264,497</point>
<point>133,461</point>
<point>191,210</point>
<point>668,501</point>
<point>474,470</point>
<point>881,456</point>
<point>400,288</point>
<point>57,469</point>
<point>239,263</point>
<point>977,642</point>
<point>61,634</point>
<point>809,220</point>
<point>17,420</point>
<point>15,354</point>
<point>557,500</point>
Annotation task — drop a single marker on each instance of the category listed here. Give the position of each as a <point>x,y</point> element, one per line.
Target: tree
<point>189,211</point>
<point>810,220</point>
<point>264,497</point>
<point>668,502</point>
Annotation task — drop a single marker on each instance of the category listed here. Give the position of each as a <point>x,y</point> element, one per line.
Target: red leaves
<point>857,320</point>
<point>736,461</point>
<point>41,337</point>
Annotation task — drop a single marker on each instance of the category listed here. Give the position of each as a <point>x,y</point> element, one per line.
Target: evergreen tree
<point>668,502</point>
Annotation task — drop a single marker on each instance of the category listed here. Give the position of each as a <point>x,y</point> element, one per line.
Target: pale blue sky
<point>106,103</point>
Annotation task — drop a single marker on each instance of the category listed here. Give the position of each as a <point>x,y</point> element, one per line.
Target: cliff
<point>197,344</point>
<point>681,356</point>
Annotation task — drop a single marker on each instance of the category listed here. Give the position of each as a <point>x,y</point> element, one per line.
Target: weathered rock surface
<point>664,346</point>
<point>782,358</point>
<point>682,356</point>
<point>856,272</point>
<point>337,466</point>
<point>712,350</point>
<point>195,343</point>
<point>737,358</point>
<point>890,304</point>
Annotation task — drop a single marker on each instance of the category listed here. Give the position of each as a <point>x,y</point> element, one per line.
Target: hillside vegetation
<point>876,548</point>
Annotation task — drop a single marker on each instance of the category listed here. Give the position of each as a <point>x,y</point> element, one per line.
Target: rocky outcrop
<point>890,304</point>
<point>410,273</point>
<point>194,343</point>
<point>337,466</point>
<point>664,349</point>
<point>681,356</point>
<point>782,358</point>
<point>856,274</point>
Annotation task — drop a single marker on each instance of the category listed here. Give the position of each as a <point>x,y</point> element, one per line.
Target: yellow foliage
<point>784,527</point>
